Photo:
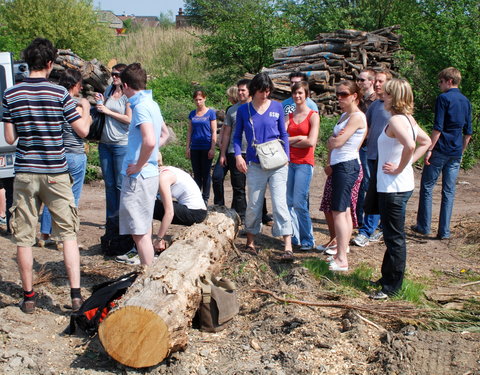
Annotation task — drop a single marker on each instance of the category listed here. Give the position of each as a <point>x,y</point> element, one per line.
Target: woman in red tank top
<point>303,127</point>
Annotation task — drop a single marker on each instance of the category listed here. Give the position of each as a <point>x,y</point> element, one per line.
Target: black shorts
<point>344,176</point>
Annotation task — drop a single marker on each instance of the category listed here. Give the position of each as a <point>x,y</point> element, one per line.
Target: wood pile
<point>333,57</point>
<point>96,76</point>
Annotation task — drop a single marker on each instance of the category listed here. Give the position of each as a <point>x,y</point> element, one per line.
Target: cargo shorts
<point>30,190</point>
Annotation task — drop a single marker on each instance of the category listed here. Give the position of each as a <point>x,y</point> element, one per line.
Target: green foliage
<point>326,130</point>
<point>167,19</point>
<point>313,16</point>
<point>93,171</point>
<point>67,23</point>
<point>359,279</point>
<point>411,291</point>
<point>243,34</point>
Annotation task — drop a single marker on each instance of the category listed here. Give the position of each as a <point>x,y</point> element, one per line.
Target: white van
<point>7,152</point>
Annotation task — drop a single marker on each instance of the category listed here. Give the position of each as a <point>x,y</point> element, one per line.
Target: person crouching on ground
<point>187,209</point>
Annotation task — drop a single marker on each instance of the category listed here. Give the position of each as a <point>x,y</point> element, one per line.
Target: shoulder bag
<point>270,154</point>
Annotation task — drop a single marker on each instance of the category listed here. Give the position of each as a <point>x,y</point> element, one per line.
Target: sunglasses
<point>342,94</point>
<point>361,79</point>
<point>115,74</point>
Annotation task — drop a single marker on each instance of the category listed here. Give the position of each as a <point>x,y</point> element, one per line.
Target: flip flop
<point>251,250</point>
<point>336,268</point>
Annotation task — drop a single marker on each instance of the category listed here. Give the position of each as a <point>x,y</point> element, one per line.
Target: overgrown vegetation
<point>67,23</point>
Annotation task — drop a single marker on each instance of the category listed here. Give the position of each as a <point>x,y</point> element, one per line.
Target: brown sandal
<point>287,256</point>
<point>251,249</point>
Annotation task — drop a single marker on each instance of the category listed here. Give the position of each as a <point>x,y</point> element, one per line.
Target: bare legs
<point>343,230</point>
<point>145,247</point>
<point>71,258</point>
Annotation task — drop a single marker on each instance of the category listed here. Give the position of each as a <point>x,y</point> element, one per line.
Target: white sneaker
<point>129,257</point>
<point>376,237</point>
<point>334,251</point>
<point>361,240</point>
<point>307,248</point>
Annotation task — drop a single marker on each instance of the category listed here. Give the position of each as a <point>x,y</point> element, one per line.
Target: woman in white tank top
<point>344,166</point>
<point>400,144</point>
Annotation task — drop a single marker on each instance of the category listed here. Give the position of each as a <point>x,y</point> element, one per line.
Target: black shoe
<point>28,306</point>
<point>76,304</point>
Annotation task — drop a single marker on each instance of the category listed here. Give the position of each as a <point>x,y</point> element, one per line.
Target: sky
<point>140,7</point>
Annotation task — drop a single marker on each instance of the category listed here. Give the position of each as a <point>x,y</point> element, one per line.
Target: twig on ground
<point>369,322</point>
<point>472,283</point>
<point>391,311</point>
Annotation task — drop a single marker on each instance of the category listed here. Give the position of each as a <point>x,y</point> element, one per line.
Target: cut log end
<point>135,336</point>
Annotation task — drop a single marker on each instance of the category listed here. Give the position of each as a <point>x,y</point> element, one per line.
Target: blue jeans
<point>77,164</point>
<point>370,222</point>
<point>201,166</point>
<point>392,209</point>
<point>257,181</point>
<point>449,166</point>
<point>218,178</point>
<point>298,188</point>
<point>111,160</point>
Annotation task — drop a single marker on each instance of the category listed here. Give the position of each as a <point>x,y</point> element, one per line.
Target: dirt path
<point>267,337</point>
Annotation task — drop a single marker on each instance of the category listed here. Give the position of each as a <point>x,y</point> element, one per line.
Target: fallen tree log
<point>152,319</point>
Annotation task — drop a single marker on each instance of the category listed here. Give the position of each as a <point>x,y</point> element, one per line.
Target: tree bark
<point>152,319</point>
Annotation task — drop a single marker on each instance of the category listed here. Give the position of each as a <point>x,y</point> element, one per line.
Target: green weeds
<point>359,280</point>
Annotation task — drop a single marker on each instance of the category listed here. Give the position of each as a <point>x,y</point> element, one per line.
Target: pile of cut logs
<point>96,77</point>
<point>331,58</point>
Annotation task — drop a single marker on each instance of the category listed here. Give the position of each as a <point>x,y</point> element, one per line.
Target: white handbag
<point>270,154</point>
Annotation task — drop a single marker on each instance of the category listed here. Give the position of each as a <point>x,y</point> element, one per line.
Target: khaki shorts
<point>30,190</point>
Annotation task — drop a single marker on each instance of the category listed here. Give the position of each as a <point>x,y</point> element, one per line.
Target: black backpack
<point>98,305</point>
<point>112,242</point>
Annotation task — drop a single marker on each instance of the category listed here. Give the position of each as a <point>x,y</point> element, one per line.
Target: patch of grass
<point>411,291</point>
<point>359,280</point>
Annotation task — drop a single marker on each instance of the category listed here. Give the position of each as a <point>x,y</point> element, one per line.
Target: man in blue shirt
<point>140,168</point>
<point>288,104</point>
<point>452,130</point>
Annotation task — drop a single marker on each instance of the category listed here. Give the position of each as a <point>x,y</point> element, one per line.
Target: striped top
<point>38,110</point>
<point>72,141</point>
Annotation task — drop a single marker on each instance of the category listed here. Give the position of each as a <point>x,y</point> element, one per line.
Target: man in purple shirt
<point>452,130</point>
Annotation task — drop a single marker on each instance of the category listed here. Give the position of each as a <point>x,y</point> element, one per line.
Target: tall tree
<point>67,23</point>
<point>243,34</point>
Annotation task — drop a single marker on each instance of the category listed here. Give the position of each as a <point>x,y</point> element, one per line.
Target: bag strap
<point>207,281</point>
<point>250,120</point>
<point>413,131</point>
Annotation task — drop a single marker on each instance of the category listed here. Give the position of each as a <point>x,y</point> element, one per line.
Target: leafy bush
<point>67,23</point>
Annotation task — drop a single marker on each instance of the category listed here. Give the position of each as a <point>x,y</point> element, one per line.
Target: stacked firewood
<point>331,58</point>
<point>96,77</point>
